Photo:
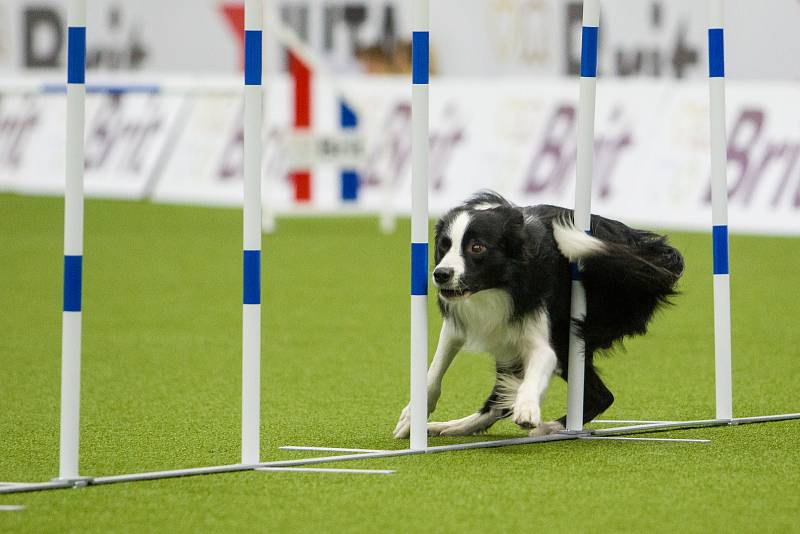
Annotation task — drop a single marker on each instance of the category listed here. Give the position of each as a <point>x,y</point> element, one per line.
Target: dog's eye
<point>477,248</point>
<point>445,243</point>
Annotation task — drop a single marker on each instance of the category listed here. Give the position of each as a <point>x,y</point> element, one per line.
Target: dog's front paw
<point>403,427</point>
<point>527,413</point>
<point>547,428</point>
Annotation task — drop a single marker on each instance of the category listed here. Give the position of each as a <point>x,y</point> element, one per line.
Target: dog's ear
<point>513,230</point>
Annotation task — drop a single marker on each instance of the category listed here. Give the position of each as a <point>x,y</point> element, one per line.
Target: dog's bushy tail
<point>643,259</point>
<point>627,274</point>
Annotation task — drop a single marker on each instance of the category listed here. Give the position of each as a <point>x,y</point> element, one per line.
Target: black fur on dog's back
<point>625,285</point>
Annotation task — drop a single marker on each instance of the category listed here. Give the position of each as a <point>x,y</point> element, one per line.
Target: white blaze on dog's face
<point>473,248</point>
<point>451,244</point>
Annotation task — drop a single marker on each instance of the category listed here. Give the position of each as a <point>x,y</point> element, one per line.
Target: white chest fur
<point>484,321</point>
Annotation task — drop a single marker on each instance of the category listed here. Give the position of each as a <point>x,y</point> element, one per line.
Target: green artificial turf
<point>161,388</point>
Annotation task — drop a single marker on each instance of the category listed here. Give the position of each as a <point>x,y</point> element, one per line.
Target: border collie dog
<point>504,280</point>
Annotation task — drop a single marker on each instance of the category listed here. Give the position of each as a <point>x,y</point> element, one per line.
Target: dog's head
<point>475,249</point>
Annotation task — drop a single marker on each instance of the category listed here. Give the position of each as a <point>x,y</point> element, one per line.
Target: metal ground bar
<point>232,468</point>
<point>652,427</point>
<point>37,486</point>
<point>624,438</point>
<point>327,449</point>
<point>617,431</point>
<point>630,421</point>
<point>327,470</point>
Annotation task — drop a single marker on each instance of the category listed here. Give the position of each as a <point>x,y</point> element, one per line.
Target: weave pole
<point>719,212</point>
<point>69,436</point>
<point>583,206</point>
<point>418,406</point>
<point>301,82</point>
<point>348,120</point>
<point>251,312</point>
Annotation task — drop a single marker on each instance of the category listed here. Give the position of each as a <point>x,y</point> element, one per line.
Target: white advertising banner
<point>126,138</point>
<point>516,136</point>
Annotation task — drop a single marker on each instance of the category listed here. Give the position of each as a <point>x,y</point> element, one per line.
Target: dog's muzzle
<point>443,276</point>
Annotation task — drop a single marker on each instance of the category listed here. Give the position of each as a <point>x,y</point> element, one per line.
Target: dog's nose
<point>442,275</point>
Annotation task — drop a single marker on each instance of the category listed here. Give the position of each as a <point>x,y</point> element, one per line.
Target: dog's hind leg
<point>596,399</point>
<point>497,406</point>
<point>466,426</point>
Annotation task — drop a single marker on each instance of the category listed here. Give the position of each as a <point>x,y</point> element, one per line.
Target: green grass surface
<point>161,388</point>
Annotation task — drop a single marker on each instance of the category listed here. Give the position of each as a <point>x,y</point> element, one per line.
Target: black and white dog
<point>503,274</point>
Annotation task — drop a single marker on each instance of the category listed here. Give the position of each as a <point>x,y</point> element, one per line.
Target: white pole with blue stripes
<point>418,406</point>
<point>73,243</point>
<point>719,211</point>
<point>583,205</point>
<point>251,313</point>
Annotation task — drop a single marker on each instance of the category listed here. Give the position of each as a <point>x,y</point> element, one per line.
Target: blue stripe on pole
<point>347,117</point>
<point>419,57</point>
<point>252,277</point>
<point>350,185</point>
<point>716,53</point>
<point>419,268</point>
<point>76,54</point>
<point>575,271</point>
<point>252,57</point>
<point>348,120</point>
<point>589,52</point>
<point>73,267</point>
<point>720,238</point>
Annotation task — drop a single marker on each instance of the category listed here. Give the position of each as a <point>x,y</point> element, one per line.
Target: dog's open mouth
<point>454,293</point>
